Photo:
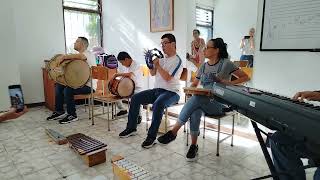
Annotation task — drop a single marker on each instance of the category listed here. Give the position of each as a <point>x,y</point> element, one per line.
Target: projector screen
<point>290,25</point>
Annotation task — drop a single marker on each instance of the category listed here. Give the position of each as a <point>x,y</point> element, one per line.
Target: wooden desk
<point>49,87</point>
<point>49,90</point>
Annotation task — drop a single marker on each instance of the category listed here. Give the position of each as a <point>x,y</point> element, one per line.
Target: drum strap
<point>177,68</point>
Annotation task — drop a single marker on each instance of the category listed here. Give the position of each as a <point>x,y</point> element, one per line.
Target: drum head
<point>126,87</point>
<point>54,68</point>
<point>76,73</point>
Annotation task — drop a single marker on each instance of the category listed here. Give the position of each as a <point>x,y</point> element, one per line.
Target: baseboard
<point>31,105</point>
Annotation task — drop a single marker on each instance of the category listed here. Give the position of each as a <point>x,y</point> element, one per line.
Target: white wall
<point>285,72</point>
<point>39,35</point>
<point>33,31</point>
<point>232,21</point>
<point>9,67</point>
<point>280,72</point>
<point>126,27</point>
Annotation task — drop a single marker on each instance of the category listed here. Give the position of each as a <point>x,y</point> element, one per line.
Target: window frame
<point>98,12</point>
<point>206,26</point>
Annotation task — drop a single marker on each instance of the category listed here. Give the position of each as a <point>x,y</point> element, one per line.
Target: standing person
<point>167,72</point>
<point>67,93</point>
<point>218,68</point>
<point>247,47</point>
<point>197,49</point>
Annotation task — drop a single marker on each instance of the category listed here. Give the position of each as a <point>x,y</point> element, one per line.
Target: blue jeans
<point>160,98</point>
<point>249,58</point>
<point>285,157</point>
<point>64,93</point>
<point>194,108</point>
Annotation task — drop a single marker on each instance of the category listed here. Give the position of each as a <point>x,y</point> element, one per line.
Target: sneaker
<point>148,143</point>
<point>56,116</point>
<point>128,132</point>
<point>68,119</point>
<point>139,119</point>
<point>166,138</point>
<point>192,153</point>
<point>121,113</point>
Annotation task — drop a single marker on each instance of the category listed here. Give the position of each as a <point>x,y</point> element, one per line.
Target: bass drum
<point>71,73</point>
<point>122,86</point>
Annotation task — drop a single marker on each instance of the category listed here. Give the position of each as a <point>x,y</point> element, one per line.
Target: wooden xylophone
<point>56,136</point>
<point>91,150</point>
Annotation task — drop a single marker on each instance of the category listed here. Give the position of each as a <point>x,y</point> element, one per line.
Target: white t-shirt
<point>173,66</point>
<point>246,49</point>
<point>91,60</point>
<point>137,77</point>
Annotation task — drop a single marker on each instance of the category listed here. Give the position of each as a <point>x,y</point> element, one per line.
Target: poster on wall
<point>161,15</point>
<point>290,26</point>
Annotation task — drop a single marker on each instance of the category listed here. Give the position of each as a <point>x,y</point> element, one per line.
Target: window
<point>82,18</point>
<point>204,22</point>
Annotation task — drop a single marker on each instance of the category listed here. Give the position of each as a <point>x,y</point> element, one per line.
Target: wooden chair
<point>248,71</point>
<point>183,77</point>
<point>106,98</point>
<point>101,74</point>
<point>218,117</point>
<point>243,63</point>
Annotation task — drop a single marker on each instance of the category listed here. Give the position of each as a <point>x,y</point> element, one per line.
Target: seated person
<point>129,68</point>
<point>218,68</point>
<point>284,148</point>
<point>66,93</point>
<point>167,72</point>
<point>12,114</point>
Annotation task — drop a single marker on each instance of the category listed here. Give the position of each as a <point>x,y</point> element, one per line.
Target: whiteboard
<point>290,25</point>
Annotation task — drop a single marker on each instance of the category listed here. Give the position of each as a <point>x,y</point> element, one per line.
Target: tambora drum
<point>71,73</point>
<point>121,86</point>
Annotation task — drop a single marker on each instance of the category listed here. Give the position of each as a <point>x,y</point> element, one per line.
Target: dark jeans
<point>64,93</point>
<point>160,98</point>
<point>249,58</point>
<point>285,154</point>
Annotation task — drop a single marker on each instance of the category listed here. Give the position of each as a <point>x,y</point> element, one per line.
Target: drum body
<point>121,86</point>
<point>71,73</point>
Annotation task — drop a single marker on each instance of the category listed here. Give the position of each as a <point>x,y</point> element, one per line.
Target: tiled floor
<point>26,152</point>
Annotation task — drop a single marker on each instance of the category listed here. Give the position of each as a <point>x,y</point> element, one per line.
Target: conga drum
<point>71,73</point>
<point>121,86</point>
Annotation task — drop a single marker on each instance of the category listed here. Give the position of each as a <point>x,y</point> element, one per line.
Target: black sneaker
<point>166,138</point>
<point>122,112</point>
<point>56,116</point>
<point>148,143</point>
<point>68,119</point>
<point>128,132</point>
<point>192,153</point>
<point>139,119</point>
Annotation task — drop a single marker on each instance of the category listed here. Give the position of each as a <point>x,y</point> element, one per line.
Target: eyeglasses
<point>164,43</point>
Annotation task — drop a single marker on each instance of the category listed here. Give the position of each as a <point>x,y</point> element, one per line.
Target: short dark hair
<point>123,55</point>
<point>222,46</point>
<point>169,36</point>
<point>196,30</point>
<point>85,41</point>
